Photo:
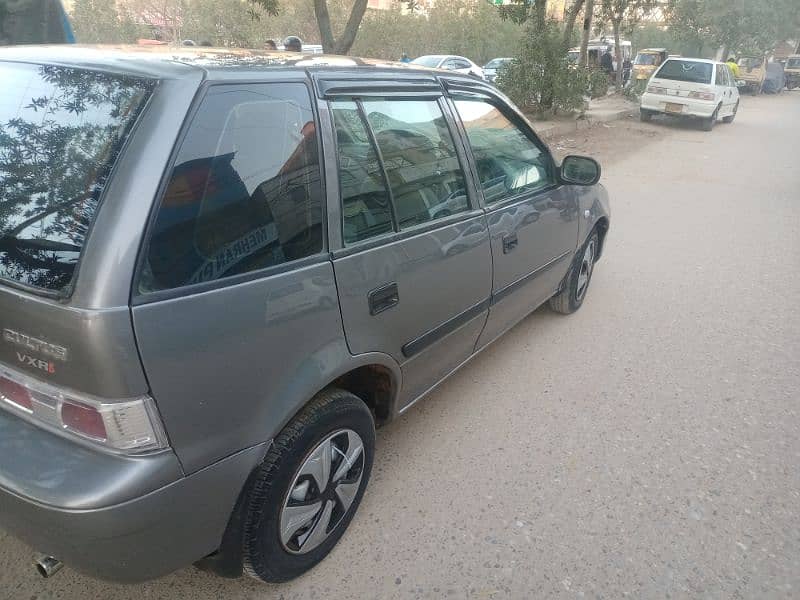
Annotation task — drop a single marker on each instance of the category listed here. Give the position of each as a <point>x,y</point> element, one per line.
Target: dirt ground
<point>602,140</point>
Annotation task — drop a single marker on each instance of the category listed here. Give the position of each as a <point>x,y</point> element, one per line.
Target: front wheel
<point>570,299</point>
<point>645,115</point>
<point>301,499</point>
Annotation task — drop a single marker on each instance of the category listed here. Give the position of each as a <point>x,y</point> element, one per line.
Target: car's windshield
<point>428,61</point>
<point>645,59</point>
<point>686,70</point>
<point>793,63</point>
<point>60,132</point>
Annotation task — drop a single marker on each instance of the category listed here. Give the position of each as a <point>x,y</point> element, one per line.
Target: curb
<point>551,130</point>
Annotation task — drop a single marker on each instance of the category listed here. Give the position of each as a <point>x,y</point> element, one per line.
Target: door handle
<point>510,242</point>
<point>383,298</point>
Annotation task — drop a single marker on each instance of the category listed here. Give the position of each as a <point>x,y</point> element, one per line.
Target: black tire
<point>264,555</point>
<point>568,300</point>
<point>645,116</point>
<point>730,118</point>
<point>708,124</point>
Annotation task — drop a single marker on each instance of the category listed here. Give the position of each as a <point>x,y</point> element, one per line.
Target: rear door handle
<point>510,242</point>
<point>383,298</point>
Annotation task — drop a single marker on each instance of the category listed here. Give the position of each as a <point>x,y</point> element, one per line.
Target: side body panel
<point>443,282</point>
<point>546,230</point>
<point>229,367</point>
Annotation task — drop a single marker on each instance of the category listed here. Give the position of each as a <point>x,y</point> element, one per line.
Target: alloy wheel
<point>322,491</point>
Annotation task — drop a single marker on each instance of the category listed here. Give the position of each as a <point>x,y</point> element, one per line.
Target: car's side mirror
<point>580,170</point>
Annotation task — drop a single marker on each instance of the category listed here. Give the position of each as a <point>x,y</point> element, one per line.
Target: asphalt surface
<point>647,446</point>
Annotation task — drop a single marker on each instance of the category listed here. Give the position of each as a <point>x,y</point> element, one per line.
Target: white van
<point>692,87</point>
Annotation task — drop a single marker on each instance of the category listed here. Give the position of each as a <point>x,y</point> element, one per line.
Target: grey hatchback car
<point>220,271</point>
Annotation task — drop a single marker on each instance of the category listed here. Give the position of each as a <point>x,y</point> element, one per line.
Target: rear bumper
<point>657,103</point>
<point>140,538</point>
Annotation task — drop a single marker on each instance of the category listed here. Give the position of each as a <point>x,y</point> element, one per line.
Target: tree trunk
<point>615,24</point>
<point>569,27</point>
<point>330,45</point>
<point>540,9</point>
<point>324,24</point>
<point>583,60</point>
<point>345,42</point>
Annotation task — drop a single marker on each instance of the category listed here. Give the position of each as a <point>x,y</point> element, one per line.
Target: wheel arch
<point>601,226</point>
<point>373,377</point>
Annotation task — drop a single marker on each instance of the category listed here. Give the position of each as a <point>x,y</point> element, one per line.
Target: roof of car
<point>700,60</point>
<point>185,61</point>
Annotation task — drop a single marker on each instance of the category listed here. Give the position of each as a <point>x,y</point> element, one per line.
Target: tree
<point>569,22</point>
<point>330,43</point>
<point>735,25</point>
<point>588,15</point>
<point>617,11</point>
<point>102,22</point>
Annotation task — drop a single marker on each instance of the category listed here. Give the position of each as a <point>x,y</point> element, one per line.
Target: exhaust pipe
<point>47,566</point>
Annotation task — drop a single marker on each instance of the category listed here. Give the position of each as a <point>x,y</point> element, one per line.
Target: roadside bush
<point>541,79</point>
<point>635,90</point>
<point>598,83</point>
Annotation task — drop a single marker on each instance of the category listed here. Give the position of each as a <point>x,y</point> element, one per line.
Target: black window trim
<point>473,203</point>
<point>139,298</point>
<point>458,88</point>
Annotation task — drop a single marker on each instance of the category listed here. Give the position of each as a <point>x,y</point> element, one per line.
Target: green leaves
<point>738,25</point>
<point>271,7</point>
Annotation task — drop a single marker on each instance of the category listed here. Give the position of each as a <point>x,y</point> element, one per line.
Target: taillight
<point>701,95</point>
<point>654,89</point>
<point>15,394</point>
<point>132,425</point>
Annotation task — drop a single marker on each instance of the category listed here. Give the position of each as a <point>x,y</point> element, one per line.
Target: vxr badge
<point>36,363</point>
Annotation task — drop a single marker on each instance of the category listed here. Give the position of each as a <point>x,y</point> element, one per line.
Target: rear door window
<point>366,206</point>
<point>245,192</point>
<point>61,130</point>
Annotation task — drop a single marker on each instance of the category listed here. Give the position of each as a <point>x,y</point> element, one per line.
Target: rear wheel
<point>708,124</point>
<point>731,117</point>
<point>304,495</point>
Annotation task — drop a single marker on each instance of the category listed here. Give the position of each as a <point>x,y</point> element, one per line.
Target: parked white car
<point>692,87</point>
<point>459,64</point>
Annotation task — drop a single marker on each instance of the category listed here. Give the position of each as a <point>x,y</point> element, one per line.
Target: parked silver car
<point>219,272</point>
<point>493,67</point>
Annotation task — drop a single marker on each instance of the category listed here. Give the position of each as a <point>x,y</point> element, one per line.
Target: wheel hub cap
<point>322,491</point>
<point>585,274</point>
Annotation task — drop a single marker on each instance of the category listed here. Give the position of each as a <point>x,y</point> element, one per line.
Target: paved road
<point>648,446</point>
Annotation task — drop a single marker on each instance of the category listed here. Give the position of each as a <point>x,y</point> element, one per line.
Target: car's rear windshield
<point>793,63</point>
<point>61,130</point>
<point>686,70</point>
